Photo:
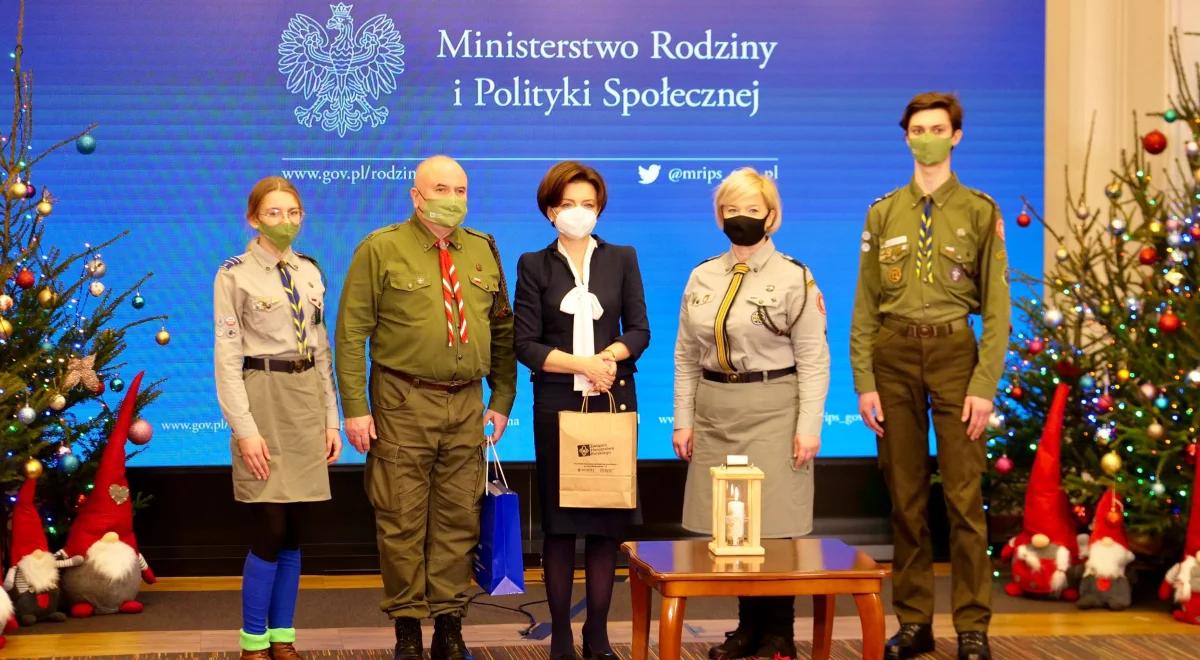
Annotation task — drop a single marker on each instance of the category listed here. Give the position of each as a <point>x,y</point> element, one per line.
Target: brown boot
<point>263,654</point>
<point>284,651</point>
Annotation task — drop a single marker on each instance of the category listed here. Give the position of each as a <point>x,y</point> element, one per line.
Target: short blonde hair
<point>748,181</point>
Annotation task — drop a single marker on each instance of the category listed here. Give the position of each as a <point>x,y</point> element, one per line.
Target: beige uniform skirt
<point>289,410</point>
<point>756,420</point>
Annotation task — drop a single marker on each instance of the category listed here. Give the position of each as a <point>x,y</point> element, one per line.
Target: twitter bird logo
<point>648,175</point>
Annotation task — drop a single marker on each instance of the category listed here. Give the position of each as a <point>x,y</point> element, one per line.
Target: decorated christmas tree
<point>62,330</point>
<point>1117,315</point>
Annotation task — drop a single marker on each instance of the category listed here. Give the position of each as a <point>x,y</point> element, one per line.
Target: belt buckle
<point>925,331</point>
<point>297,365</point>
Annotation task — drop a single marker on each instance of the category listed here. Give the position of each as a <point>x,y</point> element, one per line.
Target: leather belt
<point>926,331</point>
<point>748,376</point>
<point>285,366</point>
<point>450,387</point>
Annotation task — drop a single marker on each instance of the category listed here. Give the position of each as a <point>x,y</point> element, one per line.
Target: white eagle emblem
<point>345,73</point>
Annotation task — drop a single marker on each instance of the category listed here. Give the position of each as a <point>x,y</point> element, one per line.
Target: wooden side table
<point>821,568</point>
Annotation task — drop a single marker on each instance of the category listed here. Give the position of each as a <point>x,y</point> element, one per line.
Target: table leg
<point>639,593</point>
<point>823,610</point>
<point>670,628</point>
<point>870,613</point>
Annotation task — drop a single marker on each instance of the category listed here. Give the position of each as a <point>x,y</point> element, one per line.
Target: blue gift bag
<point>499,558</point>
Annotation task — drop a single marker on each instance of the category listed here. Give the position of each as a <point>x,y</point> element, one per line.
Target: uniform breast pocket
<point>766,312</point>
<point>894,265</point>
<point>480,295</point>
<point>958,265</point>
<point>406,296</point>
<point>268,316</point>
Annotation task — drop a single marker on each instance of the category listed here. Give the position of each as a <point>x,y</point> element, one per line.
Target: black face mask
<point>745,231</point>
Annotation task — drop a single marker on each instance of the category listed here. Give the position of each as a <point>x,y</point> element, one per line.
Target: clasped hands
<point>600,370</point>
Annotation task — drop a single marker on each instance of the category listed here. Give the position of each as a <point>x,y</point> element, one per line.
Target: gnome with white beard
<point>1047,549</point>
<point>1182,584</point>
<point>32,582</point>
<point>6,615</point>
<point>110,568</point>
<point>1105,583</point>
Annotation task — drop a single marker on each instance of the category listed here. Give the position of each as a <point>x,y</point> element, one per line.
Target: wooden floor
<point>381,637</point>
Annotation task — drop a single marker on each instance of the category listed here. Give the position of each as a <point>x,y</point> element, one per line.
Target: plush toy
<point>1183,580</point>
<point>32,581</point>
<point>1105,583</point>
<point>107,568</point>
<point>1046,550</point>
<point>6,615</point>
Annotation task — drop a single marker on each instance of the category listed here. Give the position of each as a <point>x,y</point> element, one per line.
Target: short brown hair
<point>934,101</point>
<point>268,185</point>
<point>560,175</point>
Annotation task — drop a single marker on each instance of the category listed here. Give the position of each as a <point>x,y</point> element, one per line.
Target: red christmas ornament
<point>1191,453</point>
<point>1148,255</point>
<point>1067,369</point>
<point>1081,513</point>
<point>1154,142</point>
<point>99,389</point>
<point>1004,465</point>
<point>1036,346</point>
<point>1104,404</point>
<point>1195,231</point>
<point>1023,219</point>
<point>1017,392</point>
<point>25,278</point>
<point>1169,322</point>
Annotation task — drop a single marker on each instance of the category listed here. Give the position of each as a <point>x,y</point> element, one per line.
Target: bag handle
<point>499,468</point>
<point>612,403</point>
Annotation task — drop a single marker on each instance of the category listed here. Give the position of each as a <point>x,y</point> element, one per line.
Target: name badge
<point>899,240</point>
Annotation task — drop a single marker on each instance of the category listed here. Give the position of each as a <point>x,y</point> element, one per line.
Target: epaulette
<point>479,234</point>
<point>794,261</point>
<point>313,262</point>
<point>230,263</point>
<point>383,230</point>
<point>880,199</point>
<point>980,193</point>
<point>716,256</point>
<point>500,307</point>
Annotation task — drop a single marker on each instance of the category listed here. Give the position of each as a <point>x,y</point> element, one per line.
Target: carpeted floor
<point>339,608</point>
<point>1164,647</point>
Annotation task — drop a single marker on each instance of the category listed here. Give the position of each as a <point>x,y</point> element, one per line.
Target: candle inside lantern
<point>735,518</point>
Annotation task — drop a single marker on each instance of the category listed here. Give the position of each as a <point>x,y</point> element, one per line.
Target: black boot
<point>408,639</point>
<point>974,646</point>
<point>743,642</point>
<point>447,639</point>
<point>911,640</point>
<point>778,640</point>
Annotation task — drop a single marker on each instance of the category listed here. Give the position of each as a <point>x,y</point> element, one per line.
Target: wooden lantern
<point>737,508</point>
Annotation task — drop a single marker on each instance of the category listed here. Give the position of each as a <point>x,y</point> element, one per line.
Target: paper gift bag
<point>499,558</point>
<point>597,459</point>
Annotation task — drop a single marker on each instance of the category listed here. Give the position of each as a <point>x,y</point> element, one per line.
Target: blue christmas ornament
<point>1161,402</point>
<point>138,301</point>
<point>116,384</point>
<point>69,463</point>
<point>1087,382</point>
<point>47,346</point>
<point>86,144</point>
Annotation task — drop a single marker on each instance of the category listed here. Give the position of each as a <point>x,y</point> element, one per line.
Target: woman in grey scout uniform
<point>751,374</point>
<point>580,326</point>
<point>275,386</point>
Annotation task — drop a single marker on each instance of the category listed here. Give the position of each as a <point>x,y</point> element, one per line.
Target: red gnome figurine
<point>1183,580</point>
<point>1047,546</point>
<point>1104,581</point>
<point>101,545</point>
<point>32,579</point>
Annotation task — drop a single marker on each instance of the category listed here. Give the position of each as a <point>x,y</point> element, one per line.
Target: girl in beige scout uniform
<point>751,374</point>
<point>275,386</point>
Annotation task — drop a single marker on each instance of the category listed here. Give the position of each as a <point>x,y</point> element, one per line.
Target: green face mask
<point>280,235</point>
<point>447,212</point>
<point>929,149</point>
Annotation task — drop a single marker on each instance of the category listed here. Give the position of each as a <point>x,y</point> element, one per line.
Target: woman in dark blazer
<point>580,327</point>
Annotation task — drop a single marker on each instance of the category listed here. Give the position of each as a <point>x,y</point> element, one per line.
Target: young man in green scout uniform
<point>431,297</point>
<point>932,254</point>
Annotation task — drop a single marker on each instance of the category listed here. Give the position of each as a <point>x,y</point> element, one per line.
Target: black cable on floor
<point>520,609</point>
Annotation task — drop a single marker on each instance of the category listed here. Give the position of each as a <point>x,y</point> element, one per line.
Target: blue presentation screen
<point>195,102</point>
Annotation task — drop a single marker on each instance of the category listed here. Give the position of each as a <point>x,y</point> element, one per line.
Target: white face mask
<point>576,222</point>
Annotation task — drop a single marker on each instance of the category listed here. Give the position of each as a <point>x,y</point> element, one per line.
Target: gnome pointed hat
<point>1047,509</point>
<point>108,508</point>
<point>1192,542</point>
<point>27,532</point>
<point>1102,527</point>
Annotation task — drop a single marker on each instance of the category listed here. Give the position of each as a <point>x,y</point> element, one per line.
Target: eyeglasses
<point>279,214</point>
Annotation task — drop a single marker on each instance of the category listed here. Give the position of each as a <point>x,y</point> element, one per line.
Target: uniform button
<point>622,382</point>
<point>622,406</point>
<point>926,305</point>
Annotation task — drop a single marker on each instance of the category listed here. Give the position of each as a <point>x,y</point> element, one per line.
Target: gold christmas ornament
<point>18,190</point>
<point>163,337</point>
<point>1082,211</point>
<point>1110,463</point>
<point>1113,190</point>
<point>47,297</point>
<point>1155,227</point>
<point>44,208</point>
<point>58,402</point>
<point>33,468</point>
<point>6,328</point>
<point>1155,431</point>
<point>1061,254</point>
<point>1122,375</point>
<point>6,302</point>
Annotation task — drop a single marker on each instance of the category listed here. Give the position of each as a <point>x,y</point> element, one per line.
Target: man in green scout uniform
<point>431,297</point>
<point>932,254</point>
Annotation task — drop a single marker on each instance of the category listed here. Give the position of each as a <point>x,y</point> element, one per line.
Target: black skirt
<point>548,399</point>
